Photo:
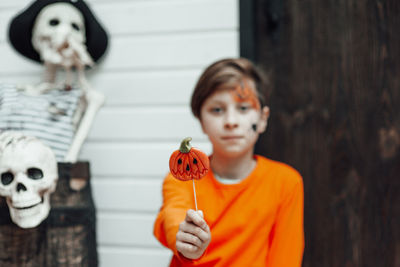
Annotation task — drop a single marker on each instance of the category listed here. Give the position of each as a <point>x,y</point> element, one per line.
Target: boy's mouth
<point>231,137</point>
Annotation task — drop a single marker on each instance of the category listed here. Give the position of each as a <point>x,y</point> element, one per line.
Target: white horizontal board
<point>128,257</point>
<point>145,123</point>
<point>116,194</point>
<point>142,159</point>
<point>147,17</point>
<point>170,51</point>
<point>19,4</point>
<point>172,87</point>
<point>146,52</point>
<point>167,16</point>
<point>126,229</point>
<point>21,79</point>
<point>5,18</point>
<point>13,62</point>
<point>151,87</point>
<point>16,4</point>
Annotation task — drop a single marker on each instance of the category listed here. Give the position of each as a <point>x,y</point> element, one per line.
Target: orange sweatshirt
<point>257,222</point>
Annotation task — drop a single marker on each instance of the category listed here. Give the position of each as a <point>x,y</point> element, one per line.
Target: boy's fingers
<point>196,218</point>
<point>189,238</point>
<point>185,247</point>
<point>192,229</point>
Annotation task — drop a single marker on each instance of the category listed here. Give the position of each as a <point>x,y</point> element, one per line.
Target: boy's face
<point>232,123</point>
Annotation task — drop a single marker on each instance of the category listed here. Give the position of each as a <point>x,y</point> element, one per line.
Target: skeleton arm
<point>94,101</point>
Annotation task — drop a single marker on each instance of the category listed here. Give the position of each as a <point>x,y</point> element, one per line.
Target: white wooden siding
<point>157,50</point>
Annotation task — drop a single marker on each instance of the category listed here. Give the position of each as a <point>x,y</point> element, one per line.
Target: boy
<point>252,207</point>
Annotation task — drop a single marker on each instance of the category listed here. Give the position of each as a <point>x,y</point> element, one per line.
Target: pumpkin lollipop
<point>188,163</point>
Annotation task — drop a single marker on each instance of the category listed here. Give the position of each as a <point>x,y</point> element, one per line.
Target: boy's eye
<point>216,110</point>
<point>244,107</point>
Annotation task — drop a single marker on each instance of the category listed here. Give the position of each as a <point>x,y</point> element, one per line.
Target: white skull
<point>28,171</point>
<point>58,35</point>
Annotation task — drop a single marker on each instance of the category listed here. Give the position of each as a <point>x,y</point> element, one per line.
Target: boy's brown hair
<point>226,73</point>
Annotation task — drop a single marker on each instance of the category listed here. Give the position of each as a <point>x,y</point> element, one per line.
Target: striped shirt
<point>51,117</point>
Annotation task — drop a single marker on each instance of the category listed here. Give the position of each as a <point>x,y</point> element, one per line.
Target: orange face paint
<point>244,93</point>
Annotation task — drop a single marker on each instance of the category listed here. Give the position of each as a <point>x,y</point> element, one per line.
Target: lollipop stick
<point>194,193</point>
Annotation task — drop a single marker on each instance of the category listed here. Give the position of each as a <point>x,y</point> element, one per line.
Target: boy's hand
<point>193,235</point>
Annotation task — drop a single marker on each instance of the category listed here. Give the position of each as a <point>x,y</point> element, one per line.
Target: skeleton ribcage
<point>52,117</point>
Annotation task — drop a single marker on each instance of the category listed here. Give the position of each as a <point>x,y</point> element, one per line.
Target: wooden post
<point>334,70</point>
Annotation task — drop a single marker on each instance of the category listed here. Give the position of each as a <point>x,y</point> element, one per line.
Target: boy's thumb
<point>200,213</point>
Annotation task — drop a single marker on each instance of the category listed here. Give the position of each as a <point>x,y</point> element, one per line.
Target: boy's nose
<point>231,120</point>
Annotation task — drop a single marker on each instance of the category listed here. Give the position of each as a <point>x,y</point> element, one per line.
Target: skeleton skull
<point>58,35</point>
<point>28,171</point>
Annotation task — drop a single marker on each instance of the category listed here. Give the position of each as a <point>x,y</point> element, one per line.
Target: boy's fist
<point>193,235</point>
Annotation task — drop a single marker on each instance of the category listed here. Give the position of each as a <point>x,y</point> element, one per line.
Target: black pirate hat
<point>20,29</point>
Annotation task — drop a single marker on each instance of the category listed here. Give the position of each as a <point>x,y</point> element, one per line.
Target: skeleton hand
<point>48,53</point>
<point>78,52</point>
<point>70,53</point>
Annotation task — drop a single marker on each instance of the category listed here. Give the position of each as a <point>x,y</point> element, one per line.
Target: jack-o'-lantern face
<point>188,163</point>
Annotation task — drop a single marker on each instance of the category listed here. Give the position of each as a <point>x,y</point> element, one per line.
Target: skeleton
<point>58,36</point>
<point>28,171</point>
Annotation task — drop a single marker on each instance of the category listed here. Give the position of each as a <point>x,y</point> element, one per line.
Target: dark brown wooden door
<point>334,69</point>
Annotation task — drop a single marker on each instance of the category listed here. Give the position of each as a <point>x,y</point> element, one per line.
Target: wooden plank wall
<point>335,116</point>
<point>157,51</point>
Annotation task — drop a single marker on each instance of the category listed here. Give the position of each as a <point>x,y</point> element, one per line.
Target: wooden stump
<point>66,238</point>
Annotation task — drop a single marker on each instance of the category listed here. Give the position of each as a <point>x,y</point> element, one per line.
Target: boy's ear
<point>262,125</point>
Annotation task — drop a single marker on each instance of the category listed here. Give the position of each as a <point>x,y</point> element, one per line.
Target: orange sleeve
<point>176,201</point>
<point>287,236</point>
